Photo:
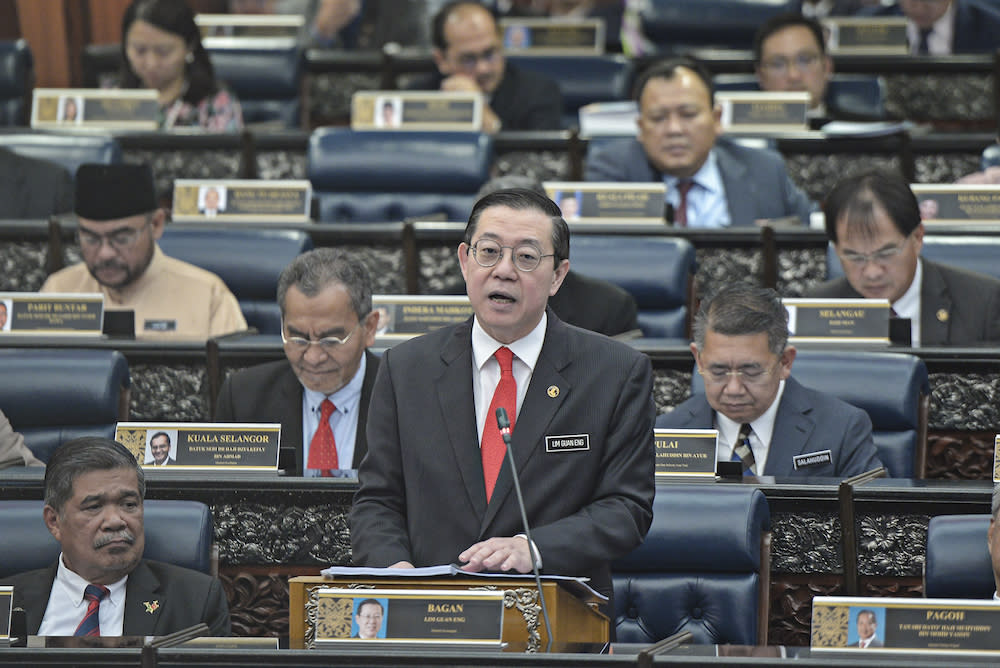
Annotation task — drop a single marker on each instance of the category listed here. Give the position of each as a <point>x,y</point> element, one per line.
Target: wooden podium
<point>572,619</point>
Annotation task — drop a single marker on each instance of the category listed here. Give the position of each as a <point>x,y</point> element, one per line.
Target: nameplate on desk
<point>202,446</point>
<point>257,31</point>
<point>868,36</point>
<point>759,111</point>
<point>417,110</point>
<point>996,458</point>
<point>937,625</point>
<point>242,201</point>
<point>686,452</point>
<point>394,616</point>
<point>209,642</point>
<point>592,201</point>
<point>841,320</point>
<point>948,203</point>
<point>6,607</point>
<point>406,316</point>
<point>539,37</point>
<point>94,109</point>
<point>55,313</point>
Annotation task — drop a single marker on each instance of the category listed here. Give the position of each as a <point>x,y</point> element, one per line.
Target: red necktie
<point>492,448</point>
<point>681,218</point>
<point>90,625</point>
<point>322,448</point>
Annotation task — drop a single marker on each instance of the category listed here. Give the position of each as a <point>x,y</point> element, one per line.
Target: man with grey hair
<point>993,540</point>
<point>320,392</point>
<point>765,418</point>
<point>101,585</point>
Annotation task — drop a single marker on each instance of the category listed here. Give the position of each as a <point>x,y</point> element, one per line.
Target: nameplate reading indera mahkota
<point>845,320</point>
<point>417,110</point>
<point>957,203</point>
<point>869,36</point>
<point>547,37</point>
<point>757,111</point>
<point>406,316</point>
<point>77,314</point>
<point>6,606</point>
<point>596,201</point>
<point>686,452</point>
<point>242,201</point>
<point>94,109</point>
<point>202,446</point>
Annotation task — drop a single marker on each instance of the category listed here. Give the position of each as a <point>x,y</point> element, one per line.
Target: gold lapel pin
<point>553,391</point>
<point>151,606</point>
<point>942,315</point>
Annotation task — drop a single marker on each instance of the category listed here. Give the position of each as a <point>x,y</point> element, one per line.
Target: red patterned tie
<point>492,448</point>
<point>681,219</point>
<point>90,625</point>
<point>322,448</point>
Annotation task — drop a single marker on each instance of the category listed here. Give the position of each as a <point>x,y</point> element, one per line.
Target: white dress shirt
<point>343,421</point>
<point>760,439</point>
<point>939,40</point>
<point>67,606</point>
<point>706,200</point>
<point>908,306</point>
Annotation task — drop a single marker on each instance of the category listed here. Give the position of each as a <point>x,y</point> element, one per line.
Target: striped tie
<point>90,625</point>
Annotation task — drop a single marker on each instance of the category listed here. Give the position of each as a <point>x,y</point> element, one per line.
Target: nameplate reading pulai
<point>6,606</point>
<point>686,453</point>
<point>406,316</point>
<point>94,109</point>
<point>868,36</point>
<point>242,201</point>
<point>202,446</point>
<point>51,313</point>
<point>596,201</point>
<point>841,320</point>
<point>759,111</point>
<point>417,110</point>
<point>544,37</point>
<point>957,203</point>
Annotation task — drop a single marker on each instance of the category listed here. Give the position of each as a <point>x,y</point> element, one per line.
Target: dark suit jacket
<point>755,180</point>
<point>33,188</point>
<point>271,393</point>
<point>184,598</point>
<point>422,497</point>
<point>957,307</point>
<point>594,304</point>
<point>976,29</point>
<point>807,421</point>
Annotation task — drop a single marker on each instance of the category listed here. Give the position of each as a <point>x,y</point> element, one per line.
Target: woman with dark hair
<point>162,50</point>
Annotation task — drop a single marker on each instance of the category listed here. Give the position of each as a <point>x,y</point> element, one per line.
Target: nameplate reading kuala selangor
<point>686,452</point>
<point>51,313</point>
<point>203,446</point>
<point>406,316</point>
<point>905,625</point>
<point>957,203</point>
<point>753,111</point>
<point>841,320</point>
<point>256,30</point>
<point>242,201</point>
<point>869,36</point>
<point>408,616</point>
<point>94,109</point>
<point>6,605</point>
<point>595,201</point>
<point>417,110</point>
<point>542,37</point>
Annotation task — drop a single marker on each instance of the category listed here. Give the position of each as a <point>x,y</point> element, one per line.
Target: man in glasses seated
<point>873,222</point>
<point>320,392</point>
<point>767,421</point>
<point>119,223</point>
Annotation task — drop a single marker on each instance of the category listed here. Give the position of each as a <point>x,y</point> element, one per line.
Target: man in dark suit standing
<point>320,392</point>
<point>435,487</point>
<point>101,585</point>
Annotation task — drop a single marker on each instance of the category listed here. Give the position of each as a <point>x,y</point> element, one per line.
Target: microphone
<point>668,214</point>
<point>503,423</point>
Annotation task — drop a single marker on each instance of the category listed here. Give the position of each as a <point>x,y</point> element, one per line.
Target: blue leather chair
<point>54,395</point>
<point>678,25</point>
<point>958,563</point>
<point>859,93</point>
<point>68,150</point>
<point>389,176</point>
<point>268,83</point>
<point>177,532</point>
<point>977,253</point>
<point>703,568</point>
<point>657,271</point>
<point>17,74</point>
<point>248,260</point>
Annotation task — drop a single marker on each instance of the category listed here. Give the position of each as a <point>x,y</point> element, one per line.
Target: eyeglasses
<point>750,375</point>
<point>881,257</point>
<point>527,257</point>
<point>328,344</point>
<point>468,61</point>
<point>119,239</point>
<point>781,65</point>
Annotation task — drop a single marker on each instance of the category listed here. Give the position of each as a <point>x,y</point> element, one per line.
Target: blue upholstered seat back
<point>68,150</point>
<point>266,81</point>
<point>677,25</point>
<point>958,562</point>
<point>972,253</point>
<point>858,93</point>
<point>16,79</point>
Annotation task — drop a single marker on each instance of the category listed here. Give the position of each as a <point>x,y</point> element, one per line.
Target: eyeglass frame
<point>802,62</point>
<point>98,240</point>
<point>327,344</point>
<point>881,257</point>
<point>709,376</point>
<point>469,61</point>
<point>474,251</point>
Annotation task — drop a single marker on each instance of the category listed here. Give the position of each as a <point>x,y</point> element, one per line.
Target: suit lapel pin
<point>942,315</point>
<point>151,606</point>
<point>553,391</point>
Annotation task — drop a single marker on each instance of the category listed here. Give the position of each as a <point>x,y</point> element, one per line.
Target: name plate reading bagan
<point>553,37</point>
<point>242,201</point>
<point>249,30</point>
<point>869,36</point>
<point>843,320</point>
<point>410,616</point>
<point>905,625</point>
<point>203,446</point>
<point>595,201</point>
<point>6,606</point>
<point>94,109</point>
<point>62,313</point>
<point>758,111</point>
<point>686,452</point>
<point>417,110</point>
<point>406,316</point>
<point>957,203</point>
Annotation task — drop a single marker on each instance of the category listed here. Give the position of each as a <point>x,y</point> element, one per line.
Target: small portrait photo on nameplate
<point>949,203</point>
<point>686,453</point>
<point>242,201</point>
<point>464,618</point>
<point>51,313</point>
<point>406,316</point>
<point>760,111</point>
<point>6,606</point>
<point>838,320</point>
<point>259,31</point>
<point>417,110</point>
<point>596,201</point>
<point>555,37</point>
<point>94,109</point>
<point>868,36</point>
<point>203,446</point>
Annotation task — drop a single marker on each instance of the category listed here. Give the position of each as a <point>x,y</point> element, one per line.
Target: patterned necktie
<point>742,452</point>
<point>322,448</point>
<point>90,625</point>
<point>681,219</point>
<point>492,447</point>
<point>923,46</point>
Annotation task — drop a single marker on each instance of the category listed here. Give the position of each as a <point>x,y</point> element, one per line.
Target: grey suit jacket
<point>957,307</point>
<point>12,445</point>
<point>807,421</point>
<point>33,188</point>
<point>589,498</point>
<point>756,180</point>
